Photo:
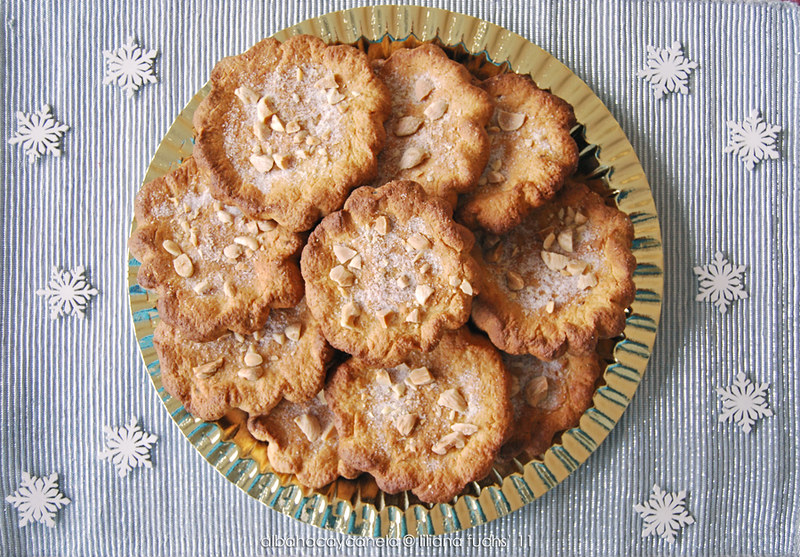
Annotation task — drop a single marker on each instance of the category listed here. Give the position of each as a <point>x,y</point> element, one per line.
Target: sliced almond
<point>229,289</point>
<point>554,261</point>
<point>266,225</point>
<point>224,217</point>
<point>246,95</point>
<point>280,338</point>
<point>232,251</point>
<point>407,125</point>
<point>424,268</point>
<point>454,281</point>
<point>172,248</point>
<point>565,240</point>
<point>422,88</point>
<point>495,177</point>
<point>452,399</point>
<point>513,389</point>
<point>262,163</point>
<point>405,423</point>
<point>309,425</point>
<point>576,267</point>
<point>335,97</point>
<point>292,127</point>
<point>436,109</point>
<point>496,165</point>
<point>250,373</point>
<point>382,225</point>
<point>343,253</point>
<point>536,391</point>
<point>350,311</point>
<point>252,358</point>
<point>382,378</point>
<point>420,376</point>
<point>588,280</point>
<point>510,121</point>
<point>246,241</point>
<point>580,218</point>
<point>327,82</point>
<point>411,158</point>
<point>419,242</point>
<point>385,317</point>
<point>548,242</point>
<point>355,263</point>
<point>399,389</point>
<point>207,370</point>
<point>403,281</point>
<point>449,441</point>
<point>550,307</point>
<point>422,293</point>
<point>260,130</point>
<point>293,331</point>
<point>413,316</point>
<point>466,288</point>
<point>464,429</point>
<point>514,281</point>
<point>276,124</point>
<point>341,276</point>
<point>301,137</point>
<point>201,287</point>
<point>263,109</point>
<point>282,160</point>
<point>183,266</point>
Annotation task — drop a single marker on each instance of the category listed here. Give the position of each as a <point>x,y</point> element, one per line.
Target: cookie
<point>302,441</point>
<point>560,280</point>
<point>284,359</point>
<point>214,268</point>
<point>430,425</point>
<point>547,398</point>
<point>389,273</point>
<point>287,130</point>
<point>531,154</point>
<point>435,134</point>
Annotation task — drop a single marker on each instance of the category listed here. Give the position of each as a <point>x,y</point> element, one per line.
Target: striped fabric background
<point>63,380</point>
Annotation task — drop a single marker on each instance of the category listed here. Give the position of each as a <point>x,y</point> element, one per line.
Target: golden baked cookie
<point>531,154</point>
<point>559,281</point>
<point>287,130</point>
<point>547,398</point>
<point>284,359</point>
<point>214,269</point>
<point>435,135</point>
<point>302,441</point>
<point>430,425</point>
<point>389,273</point>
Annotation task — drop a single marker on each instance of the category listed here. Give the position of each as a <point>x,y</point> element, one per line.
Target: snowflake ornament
<point>67,292</point>
<point>720,282</point>
<point>129,66</point>
<point>127,447</point>
<point>38,499</point>
<point>752,140</point>
<point>664,514</point>
<point>667,70</point>
<point>39,133</point>
<point>744,402</point>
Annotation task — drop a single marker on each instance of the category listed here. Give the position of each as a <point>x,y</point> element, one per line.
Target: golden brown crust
<point>455,144</point>
<point>517,319</point>
<point>179,208</point>
<point>539,411</point>
<point>291,369</point>
<point>369,438</point>
<point>443,265</point>
<point>315,463</point>
<point>350,131</point>
<point>528,164</point>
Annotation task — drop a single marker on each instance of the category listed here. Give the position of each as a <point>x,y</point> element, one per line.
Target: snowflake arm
<point>37,499</point>
<point>39,133</point>
<point>720,282</point>
<point>127,447</point>
<point>68,292</point>
<point>752,140</point>
<point>667,70</point>
<point>129,66</point>
<point>744,402</point>
<point>664,514</point>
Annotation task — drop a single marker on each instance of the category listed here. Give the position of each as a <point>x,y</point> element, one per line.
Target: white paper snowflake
<point>38,499</point>
<point>744,402</point>
<point>39,132</point>
<point>720,282</point>
<point>667,70</point>
<point>752,140</point>
<point>664,514</point>
<point>67,292</point>
<point>129,66</point>
<point>127,447</point>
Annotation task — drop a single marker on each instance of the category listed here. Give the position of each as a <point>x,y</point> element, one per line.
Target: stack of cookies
<point>387,264</point>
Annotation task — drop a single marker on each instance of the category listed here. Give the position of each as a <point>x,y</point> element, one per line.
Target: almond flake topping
<point>250,373</point>
<point>183,266</point>
<point>550,307</point>
<point>327,82</point>
<point>413,316</point>
<point>263,109</point>
<point>580,218</point>
<point>452,399</point>
<point>419,242</point>
<point>293,331</point>
<point>280,338</point>
<point>207,370</point>
<point>384,317</point>
<point>510,121</point>
<point>422,88</point>
<point>588,280</point>
<point>495,177</point>
<point>449,441</point>
<point>224,217</point>
<point>411,158</point>
<point>341,276</point>
<point>466,288</point>
<point>515,281</point>
<point>465,429</point>
<point>247,242</point>
<point>252,358</point>
<point>420,376</point>
<point>246,95</point>
<point>436,109</point>
<point>405,423</point>
<point>350,311</point>
<point>548,242</point>
<point>282,160</point>
<point>382,378</point>
<point>276,124</point>
<point>201,287</point>
<point>536,391</point>
<point>309,425</point>
<point>262,163</point>
<point>343,253</point>
<point>355,263</point>
<point>554,261</point>
<point>565,240</point>
<point>407,125</point>
<point>403,281</point>
<point>172,248</point>
<point>382,225</point>
<point>232,251</point>
<point>422,293</point>
<point>335,97</point>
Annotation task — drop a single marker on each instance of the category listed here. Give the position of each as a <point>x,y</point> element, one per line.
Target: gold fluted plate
<point>607,158</point>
